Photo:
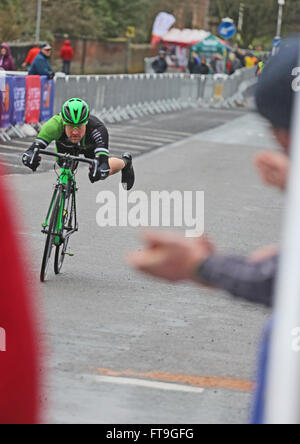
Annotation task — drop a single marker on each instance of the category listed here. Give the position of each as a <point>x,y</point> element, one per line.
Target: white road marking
<point>9,147</point>
<point>148,384</point>
<point>141,136</point>
<point>146,142</point>
<point>153,131</point>
<point>11,165</point>
<point>15,155</point>
<point>21,142</point>
<point>134,147</point>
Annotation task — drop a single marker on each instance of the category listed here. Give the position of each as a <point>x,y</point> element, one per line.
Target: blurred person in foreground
<point>31,55</point>
<point>19,350</point>
<point>41,64</point>
<point>250,278</point>
<point>176,259</point>
<point>6,61</point>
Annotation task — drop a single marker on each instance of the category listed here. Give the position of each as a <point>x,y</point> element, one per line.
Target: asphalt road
<point>137,136</point>
<point>112,335</point>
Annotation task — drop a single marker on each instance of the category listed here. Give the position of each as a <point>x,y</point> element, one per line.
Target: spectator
<point>233,64</point>
<point>217,64</point>
<point>160,65</point>
<point>66,54</point>
<point>194,63</point>
<point>251,278</point>
<point>6,61</point>
<point>241,56</point>
<point>41,65</point>
<point>260,68</point>
<point>274,88</point>
<point>203,68</point>
<point>197,66</point>
<point>251,60</point>
<point>20,361</point>
<point>31,55</point>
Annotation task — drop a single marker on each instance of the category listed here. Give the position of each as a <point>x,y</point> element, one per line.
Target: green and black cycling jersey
<point>94,143</point>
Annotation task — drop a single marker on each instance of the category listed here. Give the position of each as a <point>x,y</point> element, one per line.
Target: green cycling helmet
<point>75,112</point>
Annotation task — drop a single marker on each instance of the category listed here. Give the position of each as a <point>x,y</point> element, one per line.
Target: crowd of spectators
<point>37,60</point>
<point>205,64</point>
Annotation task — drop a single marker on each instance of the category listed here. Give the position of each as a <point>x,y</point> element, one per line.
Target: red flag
<point>19,356</point>
<point>33,99</point>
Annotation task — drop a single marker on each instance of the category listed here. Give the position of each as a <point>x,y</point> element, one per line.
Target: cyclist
<point>77,132</point>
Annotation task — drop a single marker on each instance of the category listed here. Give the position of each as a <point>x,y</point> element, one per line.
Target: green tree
<point>260,18</point>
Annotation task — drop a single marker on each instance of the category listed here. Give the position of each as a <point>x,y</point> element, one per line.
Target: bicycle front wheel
<point>50,241</point>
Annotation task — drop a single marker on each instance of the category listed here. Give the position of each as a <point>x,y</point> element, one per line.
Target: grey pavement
<point>101,314</point>
<point>137,136</point>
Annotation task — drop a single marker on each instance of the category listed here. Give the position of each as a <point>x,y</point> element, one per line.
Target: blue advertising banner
<point>6,103</point>
<point>19,98</point>
<point>47,99</point>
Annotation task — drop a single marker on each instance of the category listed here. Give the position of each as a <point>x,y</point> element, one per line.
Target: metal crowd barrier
<point>114,98</point>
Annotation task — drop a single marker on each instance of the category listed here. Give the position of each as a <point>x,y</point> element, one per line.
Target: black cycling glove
<point>31,159</point>
<point>99,171</point>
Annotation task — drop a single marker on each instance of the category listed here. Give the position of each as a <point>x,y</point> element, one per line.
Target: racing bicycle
<point>61,220</point>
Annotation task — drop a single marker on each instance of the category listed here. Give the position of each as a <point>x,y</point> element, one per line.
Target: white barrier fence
<point>114,98</point>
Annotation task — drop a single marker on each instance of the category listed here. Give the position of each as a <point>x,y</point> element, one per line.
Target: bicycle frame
<point>66,182</point>
<point>62,215</point>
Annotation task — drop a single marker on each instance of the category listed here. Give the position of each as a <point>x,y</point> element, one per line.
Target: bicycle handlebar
<point>65,156</point>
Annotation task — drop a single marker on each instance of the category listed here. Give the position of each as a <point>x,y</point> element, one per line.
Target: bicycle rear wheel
<point>50,237</point>
<point>68,220</point>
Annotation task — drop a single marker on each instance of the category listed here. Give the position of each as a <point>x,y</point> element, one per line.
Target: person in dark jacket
<point>41,64</point>
<point>67,54</point>
<point>194,63</point>
<point>160,65</point>
<point>203,68</point>
<point>6,60</point>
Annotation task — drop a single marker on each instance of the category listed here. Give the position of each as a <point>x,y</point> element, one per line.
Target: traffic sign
<point>227,29</point>
<point>276,42</point>
<point>276,45</point>
<point>130,32</point>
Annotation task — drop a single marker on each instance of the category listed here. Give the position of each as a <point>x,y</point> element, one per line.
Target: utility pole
<point>241,21</point>
<point>277,39</point>
<point>38,21</point>
<point>241,17</point>
<point>281,3</point>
